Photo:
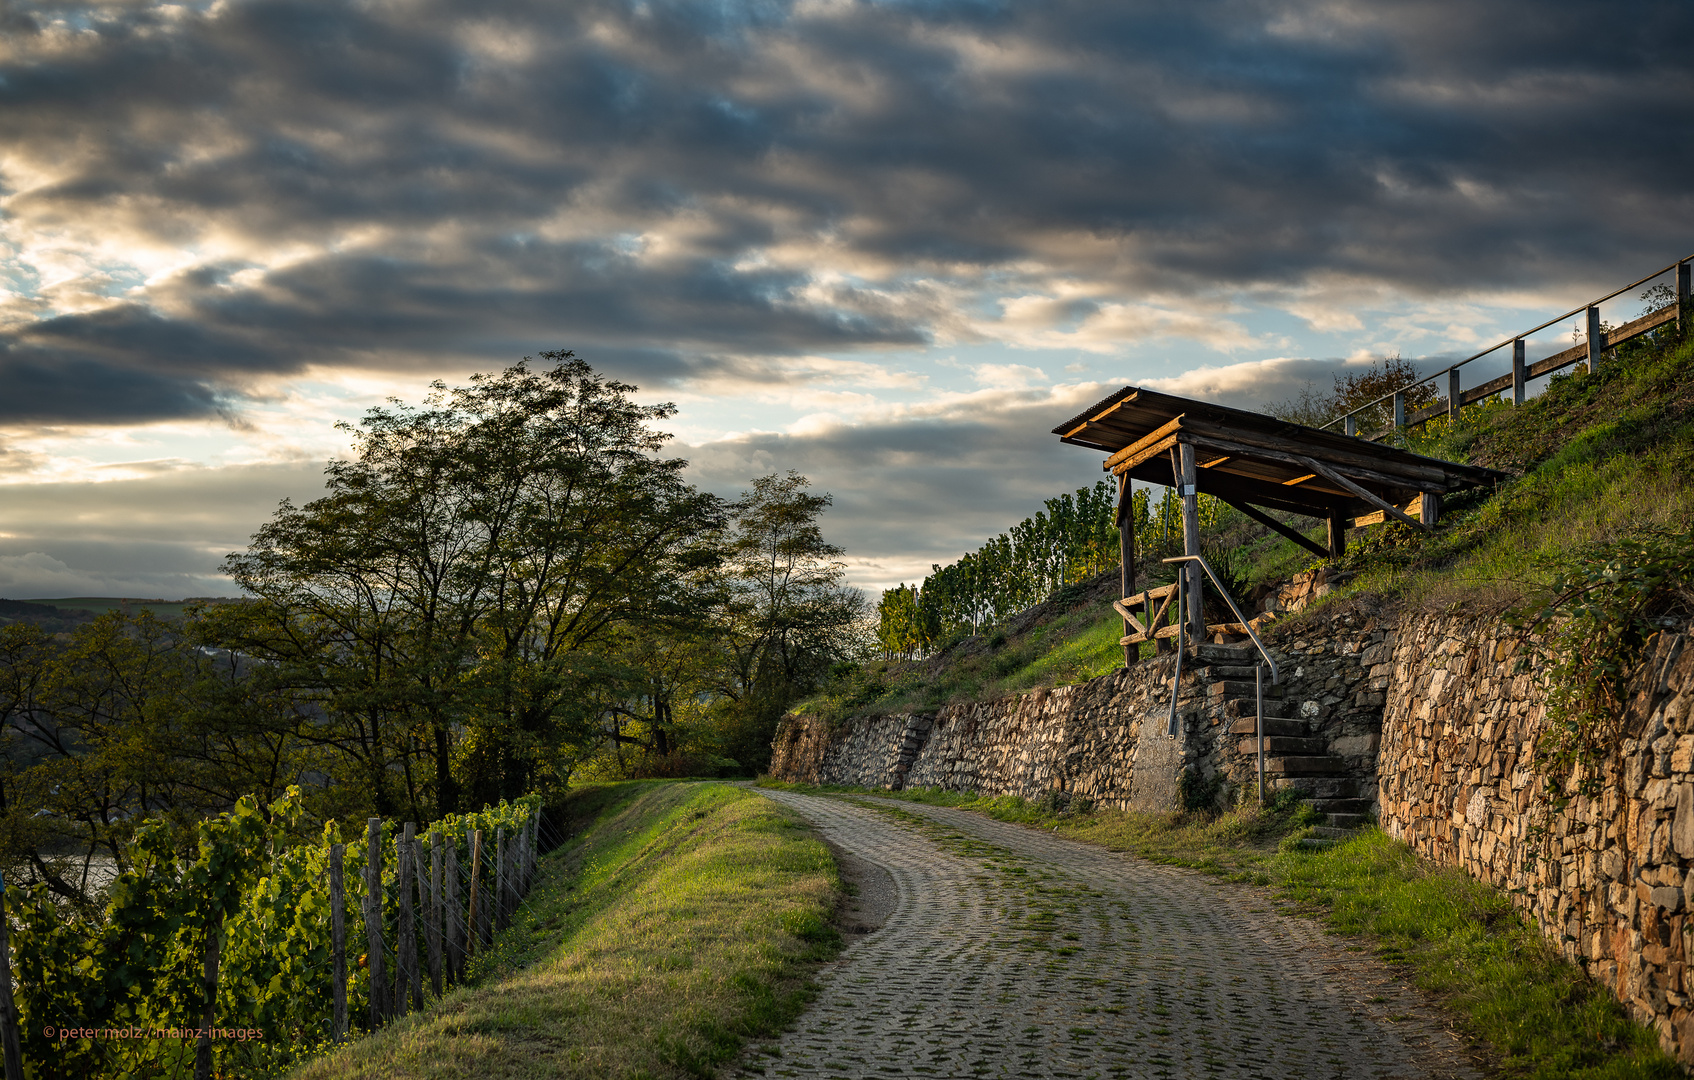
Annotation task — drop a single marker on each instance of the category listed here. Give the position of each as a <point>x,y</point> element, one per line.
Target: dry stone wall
<point>1106,739</point>
<point>1610,879</point>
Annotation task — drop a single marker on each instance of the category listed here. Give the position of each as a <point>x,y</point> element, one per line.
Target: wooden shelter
<point>1256,463</point>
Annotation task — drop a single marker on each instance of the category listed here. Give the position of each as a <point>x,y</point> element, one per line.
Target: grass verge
<point>1534,1014</point>
<point>685,921</point>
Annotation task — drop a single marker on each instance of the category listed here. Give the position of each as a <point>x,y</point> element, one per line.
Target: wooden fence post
<point>1188,478</point>
<point>1517,371</point>
<point>1399,409</point>
<point>373,922</point>
<point>455,916</point>
<point>478,909</point>
<point>1684,284</point>
<point>1596,339</point>
<point>8,1007</point>
<point>1350,425</point>
<point>1453,395</point>
<point>500,878</point>
<point>338,938</point>
<point>432,928</point>
<point>208,1017</point>
<point>534,843</point>
<point>408,985</point>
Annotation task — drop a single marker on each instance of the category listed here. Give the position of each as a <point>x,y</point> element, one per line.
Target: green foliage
<point>1603,604</point>
<point>137,960</point>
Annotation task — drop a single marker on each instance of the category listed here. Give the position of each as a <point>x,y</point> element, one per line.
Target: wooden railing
<point>1597,341</point>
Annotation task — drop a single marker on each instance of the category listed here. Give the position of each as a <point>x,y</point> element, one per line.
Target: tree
<point>787,615</point>
<point>1354,389</point>
<point>462,586</point>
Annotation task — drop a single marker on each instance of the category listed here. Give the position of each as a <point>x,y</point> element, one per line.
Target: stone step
<point>1313,765</point>
<point>1315,788</point>
<point>1330,832</point>
<point>1274,725</point>
<point>1343,806</point>
<point>1243,672</point>
<point>1281,745</point>
<point>1348,821</point>
<point>1235,688</point>
<point>1247,706</point>
<point>1226,654</point>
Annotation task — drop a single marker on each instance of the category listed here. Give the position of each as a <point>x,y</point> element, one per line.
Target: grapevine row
<point>1071,540</point>
<point>247,913</point>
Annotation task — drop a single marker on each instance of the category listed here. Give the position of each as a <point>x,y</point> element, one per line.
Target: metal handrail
<point>1258,669</point>
<point>1453,367</point>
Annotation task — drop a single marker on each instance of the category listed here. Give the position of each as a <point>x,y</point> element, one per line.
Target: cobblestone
<point>1013,953</point>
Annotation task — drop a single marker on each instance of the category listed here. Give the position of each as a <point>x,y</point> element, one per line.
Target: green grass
<point>686,921</point>
<point>1536,1015</point>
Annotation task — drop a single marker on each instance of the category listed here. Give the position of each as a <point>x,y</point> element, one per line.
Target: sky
<point>888,244</point>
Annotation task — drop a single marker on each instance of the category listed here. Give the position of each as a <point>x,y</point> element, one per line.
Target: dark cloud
<point>477,178</point>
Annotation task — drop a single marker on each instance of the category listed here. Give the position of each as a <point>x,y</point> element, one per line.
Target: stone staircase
<point>1296,756</point>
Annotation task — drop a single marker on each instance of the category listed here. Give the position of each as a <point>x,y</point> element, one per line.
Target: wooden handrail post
<point>1453,395</point>
<point>1399,409</point>
<point>1596,339</point>
<point>1517,371</point>
<point>1350,424</point>
<point>338,938</point>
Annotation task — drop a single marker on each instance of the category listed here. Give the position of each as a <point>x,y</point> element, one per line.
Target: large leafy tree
<point>458,593</point>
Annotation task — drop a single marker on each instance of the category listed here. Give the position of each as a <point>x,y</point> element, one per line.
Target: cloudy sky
<point>889,244</point>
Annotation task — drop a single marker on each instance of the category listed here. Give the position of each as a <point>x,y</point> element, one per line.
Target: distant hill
<point>55,620</point>
<point>73,610</point>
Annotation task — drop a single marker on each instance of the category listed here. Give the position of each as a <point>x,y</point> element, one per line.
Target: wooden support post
<point>8,1007</point>
<point>1399,409</point>
<point>1596,339</point>
<point>428,958</point>
<point>1350,425</point>
<point>338,938</point>
<point>408,986</point>
<point>1429,509</point>
<point>1191,539</point>
<point>373,922</point>
<point>1453,395</point>
<point>534,846</point>
<point>478,909</point>
<point>1126,559</point>
<point>432,927</point>
<point>209,984</point>
<point>1517,371</point>
<point>1337,535</point>
<point>455,928</point>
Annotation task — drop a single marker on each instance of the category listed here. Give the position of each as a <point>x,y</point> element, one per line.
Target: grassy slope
<point>1529,1012</point>
<point>1590,458</point>
<point>685,921</point>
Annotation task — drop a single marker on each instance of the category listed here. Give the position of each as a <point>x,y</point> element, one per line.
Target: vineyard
<point>233,949</point>
<point>1071,540</point>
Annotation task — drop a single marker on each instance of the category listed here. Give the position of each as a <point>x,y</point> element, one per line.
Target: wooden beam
<point>1144,442</point>
<point>1142,455</point>
<point>1369,496</point>
<point>1377,517</point>
<point>1223,445</point>
<point>1277,526</point>
<point>1115,406</point>
<point>1384,462</point>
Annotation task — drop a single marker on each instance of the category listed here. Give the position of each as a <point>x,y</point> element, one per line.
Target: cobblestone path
<point>1014,953</point>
